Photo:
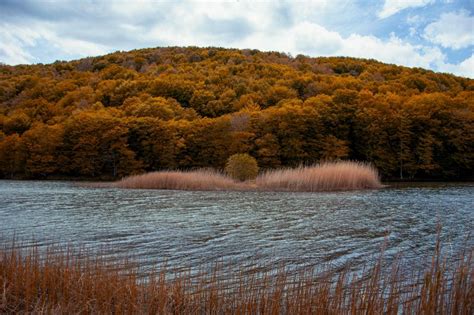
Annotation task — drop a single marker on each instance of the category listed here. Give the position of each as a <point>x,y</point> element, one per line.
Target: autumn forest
<point>184,108</point>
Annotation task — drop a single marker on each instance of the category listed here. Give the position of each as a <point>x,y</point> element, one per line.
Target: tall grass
<point>179,180</point>
<point>330,176</point>
<point>63,282</point>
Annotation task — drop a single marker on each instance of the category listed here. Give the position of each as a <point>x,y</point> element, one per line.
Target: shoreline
<point>111,180</point>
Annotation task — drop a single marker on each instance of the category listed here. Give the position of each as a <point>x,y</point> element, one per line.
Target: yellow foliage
<point>175,107</point>
<point>242,167</point>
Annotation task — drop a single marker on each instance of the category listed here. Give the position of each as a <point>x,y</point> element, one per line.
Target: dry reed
<point>330,176</point>
<point>179,180</point>
<point>65,283</point>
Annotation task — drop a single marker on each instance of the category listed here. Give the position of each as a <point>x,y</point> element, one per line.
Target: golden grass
<point>64,283</point>
<point>179,180</point>
<point>330,176</point>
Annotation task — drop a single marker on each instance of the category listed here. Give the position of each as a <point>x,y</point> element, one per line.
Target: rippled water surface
<point>193,228</point>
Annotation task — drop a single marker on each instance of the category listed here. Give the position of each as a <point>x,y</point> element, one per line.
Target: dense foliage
<point>170,108</point>
<point>242,167</point>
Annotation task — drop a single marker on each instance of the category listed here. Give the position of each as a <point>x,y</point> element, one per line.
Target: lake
<point>186,229</point>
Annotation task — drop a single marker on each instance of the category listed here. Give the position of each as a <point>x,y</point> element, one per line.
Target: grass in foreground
<point>60,282</point>
<point>331,176</point>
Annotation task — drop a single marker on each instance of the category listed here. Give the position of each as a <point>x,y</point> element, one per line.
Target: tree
<point>18,122</point>
<point>42,145</point>
<point>278,93</point>
<point>12,156</point>
<point>404,138</point>
<point>158,107</point>
<point>242,167</point>
<point>267,151</point>
<point>334,149</point>
<point>177,107</point>
<point>200,99</point>
<point>155,142</point>
<point>207,143</point>
<point>96,144</point>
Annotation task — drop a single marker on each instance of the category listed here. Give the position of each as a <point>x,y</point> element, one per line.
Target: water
<point>186,229</point>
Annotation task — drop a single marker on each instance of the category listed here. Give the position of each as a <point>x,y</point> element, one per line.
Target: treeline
<point>182,108</point>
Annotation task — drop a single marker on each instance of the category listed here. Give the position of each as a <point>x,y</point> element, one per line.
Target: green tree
<point>242,167</point>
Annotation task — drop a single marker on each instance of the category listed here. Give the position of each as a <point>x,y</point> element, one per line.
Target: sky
<point>433,34</point>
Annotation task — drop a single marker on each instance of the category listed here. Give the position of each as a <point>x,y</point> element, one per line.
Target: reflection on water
<point>193,228</point>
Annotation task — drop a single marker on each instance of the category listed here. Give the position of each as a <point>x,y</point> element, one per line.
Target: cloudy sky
<point>434,34</point>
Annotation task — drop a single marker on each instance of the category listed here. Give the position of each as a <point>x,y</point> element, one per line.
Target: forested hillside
<point>181,108</point>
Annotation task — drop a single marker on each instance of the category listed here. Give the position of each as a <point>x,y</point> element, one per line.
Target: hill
<point>170,108</point>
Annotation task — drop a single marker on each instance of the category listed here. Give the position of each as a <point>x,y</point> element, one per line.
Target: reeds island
<point>329,176</point>
<point>61,282</point>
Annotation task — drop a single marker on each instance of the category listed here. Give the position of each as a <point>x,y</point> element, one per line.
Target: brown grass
<point>330,176</point>
<point>179,180</point>
<point>65,283</point>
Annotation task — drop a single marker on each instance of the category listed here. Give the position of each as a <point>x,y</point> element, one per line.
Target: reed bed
<point>180,180</point>
<point>63,282</point>
<point>330,176</point>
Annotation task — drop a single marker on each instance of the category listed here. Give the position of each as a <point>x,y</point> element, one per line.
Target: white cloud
<point>131,8</point>
<point>464,68</point>
<point>71,46</point>
<point>394,50</point>
<point>12,54</point>
<point>310,37</point>
<point>17,40</point>
<point>452,30</point>
<point>392,7</point>
<point>289,27</point>
<point>13,42</point>
<point>315,40</point>
<point>414,19</point>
